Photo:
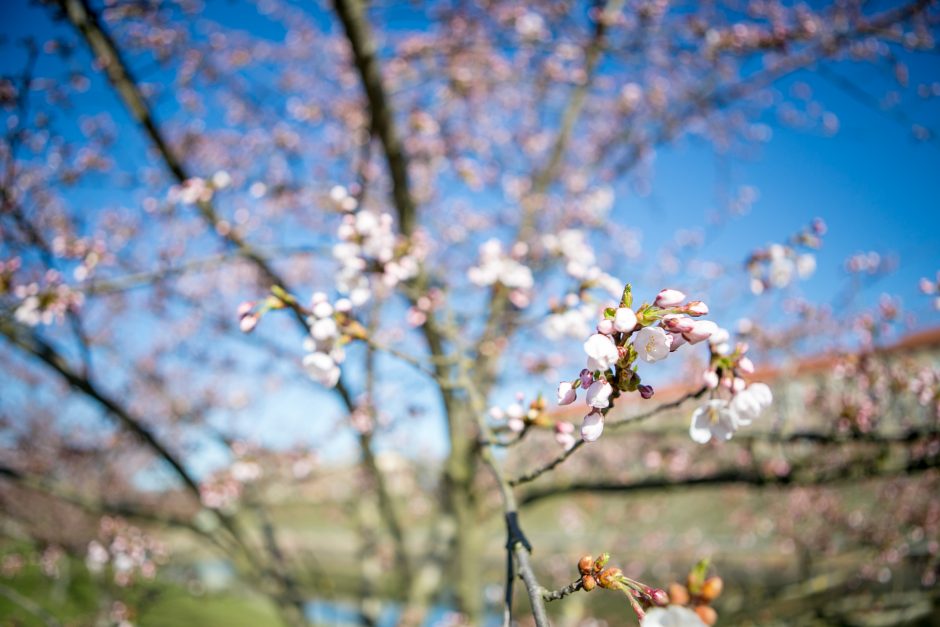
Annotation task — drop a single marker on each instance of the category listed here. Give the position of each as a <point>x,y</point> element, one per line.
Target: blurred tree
<point>178,179</point>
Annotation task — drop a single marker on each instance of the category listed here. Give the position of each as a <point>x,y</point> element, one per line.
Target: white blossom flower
<point>750,403</point>
<point>566,393</point>
<point>710,379</point>
<point>324,329</point>
<point>805,265</point>
<point>598,394</point>
<point>571,323</point>
<point>652,344</point>
<point>672,616</point>
<point>592,426</point>
<point>714,419</point>
<point>780,272</point>
<point>495,266</point>
<point>321,368</point>
<point>323,309</point>
<point>763,393</point>
<point>624,320</point>
<point>720,341</point>
<point>601,351</point>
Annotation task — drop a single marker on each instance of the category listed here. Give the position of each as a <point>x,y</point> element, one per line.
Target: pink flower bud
<point>564,434</point>
<point>587,378</point>
<point>248,323</point>
<point>598,394</point>
<point>675,323</point>
<point>245,308</point>
<point>646,391</point>
<point>677,341</point>
<point>669,298</point>
<point>710,379</point>
<point>592,426</point>
<point>745,365</point>
<point>566,393</point>
<point>658,596</point>
<point>702,330</point>
<point>696,308</point>
<point>605,326</point>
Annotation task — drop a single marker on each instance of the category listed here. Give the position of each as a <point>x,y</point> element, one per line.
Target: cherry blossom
<point>652,344</point>
<point>321,367</point>
<point>598,395</point>
<point>624,320</point>
<point>601,351</point>
<point>497,267</point>
<point>714,419</point>
<point>592,426</point>
<point>566,393</point>
<point>669,298</point>
<point>748,404</point>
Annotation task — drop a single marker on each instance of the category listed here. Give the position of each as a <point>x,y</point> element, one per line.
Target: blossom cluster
<point>129,552</point>
<point>777,265</point>
<point>573,316</point>
<point>324,346</point>
<point>932,288</point>
<point>45,303</point>
<point>871,263</point>
<point>597,573</point>
<point>224,488</point>
<point>199,190</point>
<point>496,266</point>
<point>517,416</point>
<point>370,254</point>
<point>625,336</point>
<point>720,417</point>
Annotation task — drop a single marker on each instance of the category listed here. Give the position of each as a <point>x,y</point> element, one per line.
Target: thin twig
<point>555,595</point>
<point>551,465</point>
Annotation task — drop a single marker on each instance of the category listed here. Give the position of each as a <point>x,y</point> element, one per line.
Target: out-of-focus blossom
<point>671,616</point>
<point>715,420</point>
<point>322,368</point>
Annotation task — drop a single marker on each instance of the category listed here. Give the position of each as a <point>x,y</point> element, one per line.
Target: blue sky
<point>876,187</point>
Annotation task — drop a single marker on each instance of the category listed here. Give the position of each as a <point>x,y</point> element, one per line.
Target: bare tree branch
<point>804,475</point>
<point>365,56</point>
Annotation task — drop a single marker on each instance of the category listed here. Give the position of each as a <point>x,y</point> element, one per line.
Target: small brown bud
<point>586,565</point>
<point>588,583</point>
<point>609,578</point>
<point>601,561</point>
<point>678,594</point>
<point>708,615</point>
<point>711,589</point>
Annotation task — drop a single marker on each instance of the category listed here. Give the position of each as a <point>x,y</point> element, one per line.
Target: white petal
<point>592,426</point>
